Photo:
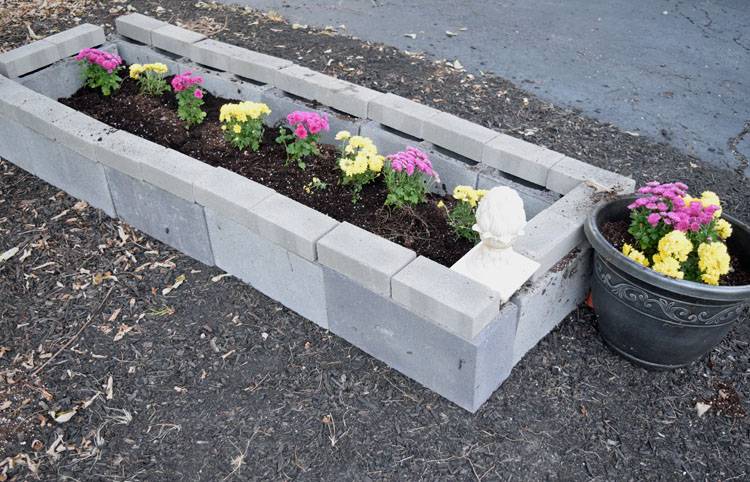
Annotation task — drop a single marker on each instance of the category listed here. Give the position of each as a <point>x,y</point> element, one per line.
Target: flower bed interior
<point>423,228</point>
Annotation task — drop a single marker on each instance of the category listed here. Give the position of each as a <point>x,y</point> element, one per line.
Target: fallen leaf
<point>177,282</point>
<point>114,315</point>
<point>122,331</point>
<point>702,408</point>
<point>5,405</point>
<point>219,277</point>
<point>109,388</point>
<point>63,416</point>
<point>8,254</point>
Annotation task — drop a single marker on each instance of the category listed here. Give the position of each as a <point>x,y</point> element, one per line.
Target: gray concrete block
<point>126,152</point>
<point>28,58</point>
<point>289,279</point>
<point>579,202</point>
<point>465,372</point>
<point>60,80</point>
<point>13,94</point>
<point>231,196</point>
<point>520,158</point>
<point>176,40</point>
<point>544,303</point>
<point>224,84</point>
<point>82,134</point>
<point>435,292</point>
<point>72,41</point>
<point>387,141</point>
<point>338,122</point>
<point>175,173</point>
<point>535,199</point>
<point>401,114</point>
<point>13,141</point>
<point>137,27</point>
<point>548,238</point>
<point>214,54</point>
<point>168,218</point>
<point>142,54</point>
<point>292,225</point>
<point>257,66</point>
<point>453,171</point>
<point>40,113</point>
<point>364,257</point>
<point>352,99</point>
<point>457,135</point>
<point>69,171</point>
<point>306,83</point>
<point>569,173</point>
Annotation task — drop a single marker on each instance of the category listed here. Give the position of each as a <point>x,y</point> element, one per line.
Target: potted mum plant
<point>671,274</point>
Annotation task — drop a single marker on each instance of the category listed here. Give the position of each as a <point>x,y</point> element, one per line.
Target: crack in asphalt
<point>734,141</point>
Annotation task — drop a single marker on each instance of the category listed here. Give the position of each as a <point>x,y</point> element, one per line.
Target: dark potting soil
<point>423,228</point>
<point>616,232</point>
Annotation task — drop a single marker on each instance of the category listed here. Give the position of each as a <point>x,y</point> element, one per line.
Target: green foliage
<point>462,219</point>
<point>152,83</point>
<point>297,149</point>
<point>250,134</point>
<point>404,189</point>
<point>96,77</point>
<point>645,235</point>
<point>189,108</point>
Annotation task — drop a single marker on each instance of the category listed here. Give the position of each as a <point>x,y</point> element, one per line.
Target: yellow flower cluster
<point>713,261</point>
<point>667,266</point>
<point>723,228</point>
<point>469,195</point>
<point>360,155</point>
<point>635,255</point>
<point>136,70</point>
<point>708,198</point>
<point>243,111</point>
<point>675,245</point>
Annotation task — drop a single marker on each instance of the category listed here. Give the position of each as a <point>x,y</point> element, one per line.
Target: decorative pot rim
<point>606,250</point>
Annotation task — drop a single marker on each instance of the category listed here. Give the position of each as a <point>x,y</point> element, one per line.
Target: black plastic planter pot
<point>655,321</point>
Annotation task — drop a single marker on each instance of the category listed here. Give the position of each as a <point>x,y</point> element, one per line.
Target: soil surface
<point>214,381</point>
<point>423,228</point>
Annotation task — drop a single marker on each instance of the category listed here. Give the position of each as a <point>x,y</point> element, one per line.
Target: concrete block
<point>352,99</point>
<point>72,41</point>
<point>137,27</point>
<point>168,218</point>
<point>257,66</point>
<point>69,171</point>
<point>306,83</point>
<point>289,279</point>
<point>13,141</point>
<point>387,141</point>
<point>569,173</point>
<point>535,198</point>
<point>453,171</point>
<point>520,158</point>
<point>176,40</point>
<point>291,225</point>
<point>435,292</point>
<point>175,173</point>
<point>224,84</point>
<point>60,80</point>
<point>82,134</point>
<point>579,202</point>
<point>214,54</point>
<point>28,58</point>
<point>231,196</point>
<point>339,122</point>
<point>133,53</point>
<point>457,135</point>
<point>465,372</point>
<point>126,152</point>
<point>39,113</point>
<point>401,114</point>
<point>548,238</point>
<point>12,95</point>
<point>364,257</point>
<point>544,303</point>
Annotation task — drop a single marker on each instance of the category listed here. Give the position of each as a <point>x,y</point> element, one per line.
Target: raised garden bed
<point>444,330</point>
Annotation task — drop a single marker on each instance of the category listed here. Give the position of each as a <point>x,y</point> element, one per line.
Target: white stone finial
<point>500,219</point>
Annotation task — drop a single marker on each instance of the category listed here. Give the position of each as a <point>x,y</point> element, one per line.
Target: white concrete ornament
<point>500,220</point>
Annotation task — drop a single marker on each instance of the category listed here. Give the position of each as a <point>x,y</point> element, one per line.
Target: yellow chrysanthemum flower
<point>237,129</point>
<point>468,195</point>
<point>675,244</point>
<point>668,266</point>
<point>723,228</point>
<point>710,198</point>
<point>713,258</point>
<point>243,111</point>
<point>635,255</point>
<point>710,279</point>
<point>343,135</point>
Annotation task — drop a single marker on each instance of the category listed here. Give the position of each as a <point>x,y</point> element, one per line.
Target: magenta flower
<point>410,161</point>
<point>300,132</point>
<point>186,80</point>
<point>105,60</point>
<point>198,94</point>
<point>305,123</point>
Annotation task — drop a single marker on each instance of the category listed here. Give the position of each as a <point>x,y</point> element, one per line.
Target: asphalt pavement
<point>676,71</point>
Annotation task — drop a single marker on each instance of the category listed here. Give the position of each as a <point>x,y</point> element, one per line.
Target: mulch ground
<point>157,367</point>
